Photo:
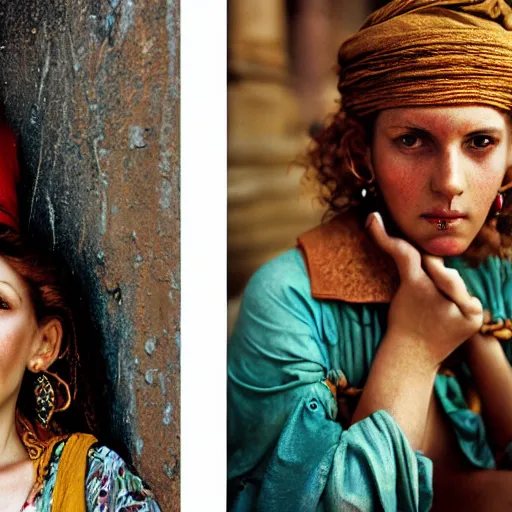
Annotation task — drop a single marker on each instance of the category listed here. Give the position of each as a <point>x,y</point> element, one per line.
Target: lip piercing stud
<point>441,225</point>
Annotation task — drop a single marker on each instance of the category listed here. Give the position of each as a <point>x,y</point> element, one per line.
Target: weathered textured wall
<point>92,89</point>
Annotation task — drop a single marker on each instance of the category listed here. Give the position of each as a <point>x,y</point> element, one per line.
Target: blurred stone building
<point>281,83</point>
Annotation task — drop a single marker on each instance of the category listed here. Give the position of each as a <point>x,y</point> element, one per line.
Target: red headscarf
<point>9,177</point>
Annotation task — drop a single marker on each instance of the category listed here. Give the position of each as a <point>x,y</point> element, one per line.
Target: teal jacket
<point>286,452</point>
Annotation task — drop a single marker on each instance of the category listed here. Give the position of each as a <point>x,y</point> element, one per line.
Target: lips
<point>443,214</point>
<point>444,219</point>
<point>446,223</point>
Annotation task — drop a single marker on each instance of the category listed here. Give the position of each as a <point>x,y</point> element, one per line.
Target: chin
<point>445,246</point>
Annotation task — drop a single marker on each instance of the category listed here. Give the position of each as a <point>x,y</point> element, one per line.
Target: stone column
<point>265,211</point>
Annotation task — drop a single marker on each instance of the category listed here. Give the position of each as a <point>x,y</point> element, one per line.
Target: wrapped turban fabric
<point>429,52</point>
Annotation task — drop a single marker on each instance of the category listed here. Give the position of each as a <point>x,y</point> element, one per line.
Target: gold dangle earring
<point>45,397</point>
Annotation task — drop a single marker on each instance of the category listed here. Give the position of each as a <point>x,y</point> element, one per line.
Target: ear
<point>509,150</point>
<point>369,158</point>
<point>509,156</point>
<point>46,346</point>
<point>507,179</point>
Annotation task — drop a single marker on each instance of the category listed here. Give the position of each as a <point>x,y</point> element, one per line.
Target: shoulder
<point>111,484</point>
<point>287,269</point>
<point>277,295</point>
<point>282,280</point>
<point>278,321</point>
<point>279,299</point>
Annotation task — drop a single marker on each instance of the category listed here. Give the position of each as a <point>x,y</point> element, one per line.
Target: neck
<point>12,450</point>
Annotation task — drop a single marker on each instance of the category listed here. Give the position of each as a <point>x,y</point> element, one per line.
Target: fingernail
<point>369,220</point>
<point>378,216</point>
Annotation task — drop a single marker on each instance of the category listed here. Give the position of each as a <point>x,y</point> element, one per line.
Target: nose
<point>448,177</point>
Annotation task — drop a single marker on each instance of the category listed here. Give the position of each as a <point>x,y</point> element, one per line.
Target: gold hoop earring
<point>366,181</point>
<point>45,397</point>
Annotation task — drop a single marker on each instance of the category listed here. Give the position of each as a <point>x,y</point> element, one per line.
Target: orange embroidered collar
<point>344,263</point>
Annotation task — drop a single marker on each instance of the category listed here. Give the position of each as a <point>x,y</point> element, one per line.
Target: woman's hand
<point>432,308</point>
<point>430,315</point>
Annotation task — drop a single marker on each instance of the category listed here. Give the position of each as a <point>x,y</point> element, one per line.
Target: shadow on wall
<point>92,89</point>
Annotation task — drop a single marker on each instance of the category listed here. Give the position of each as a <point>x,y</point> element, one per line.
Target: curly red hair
<point>337,162</point>
<point>52,297</point>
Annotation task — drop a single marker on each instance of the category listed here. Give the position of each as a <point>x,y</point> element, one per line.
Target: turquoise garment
<point>286,452</point>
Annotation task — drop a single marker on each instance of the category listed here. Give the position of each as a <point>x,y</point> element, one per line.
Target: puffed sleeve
<point>286,452</point>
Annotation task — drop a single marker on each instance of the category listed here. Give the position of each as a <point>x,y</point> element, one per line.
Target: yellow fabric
<point>41,457</point>
<point>427,53</point>
<point>69,491</point>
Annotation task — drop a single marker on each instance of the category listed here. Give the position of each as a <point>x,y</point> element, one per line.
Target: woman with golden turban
<point>370,366</point>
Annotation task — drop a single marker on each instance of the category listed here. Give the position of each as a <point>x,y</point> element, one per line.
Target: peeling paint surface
<point>92,89</point>
<point>137,134</point>
<point>167,418</point>
<point>150,346</point>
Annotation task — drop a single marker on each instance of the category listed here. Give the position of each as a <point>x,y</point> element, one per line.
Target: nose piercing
<point>441,225</point>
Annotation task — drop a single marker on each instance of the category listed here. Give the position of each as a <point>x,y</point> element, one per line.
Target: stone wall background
<point>92,89</point>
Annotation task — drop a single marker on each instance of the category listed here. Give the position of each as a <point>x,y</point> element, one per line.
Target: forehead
<point>444,119</point>
<point>9,275</point>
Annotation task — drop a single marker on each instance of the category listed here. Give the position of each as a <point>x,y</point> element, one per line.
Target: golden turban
<point>428,53</point>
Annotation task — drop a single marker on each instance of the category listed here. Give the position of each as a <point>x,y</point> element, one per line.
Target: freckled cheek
<point>483,197</point>
<point>484,187</point>
<point>401,182</point>
<point>13,348</point>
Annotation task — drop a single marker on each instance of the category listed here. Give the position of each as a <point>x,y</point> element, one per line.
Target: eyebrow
<point>414,127</point>
<point>13,289</point>
<point>490,129</point>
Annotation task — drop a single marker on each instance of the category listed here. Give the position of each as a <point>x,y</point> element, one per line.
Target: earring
<point>497,205</point>
<point>366,196</point>
<point>45,398</point>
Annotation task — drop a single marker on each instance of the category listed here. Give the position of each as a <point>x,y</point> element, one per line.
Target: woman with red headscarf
<point>49,457</point>
<point>369,368</point>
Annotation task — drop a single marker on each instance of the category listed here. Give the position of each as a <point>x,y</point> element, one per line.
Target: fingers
<point>407,258</point>
<point>409,262</point>
<point>449,282</point>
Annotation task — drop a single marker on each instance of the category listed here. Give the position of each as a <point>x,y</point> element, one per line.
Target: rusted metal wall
<point>92,89</point>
